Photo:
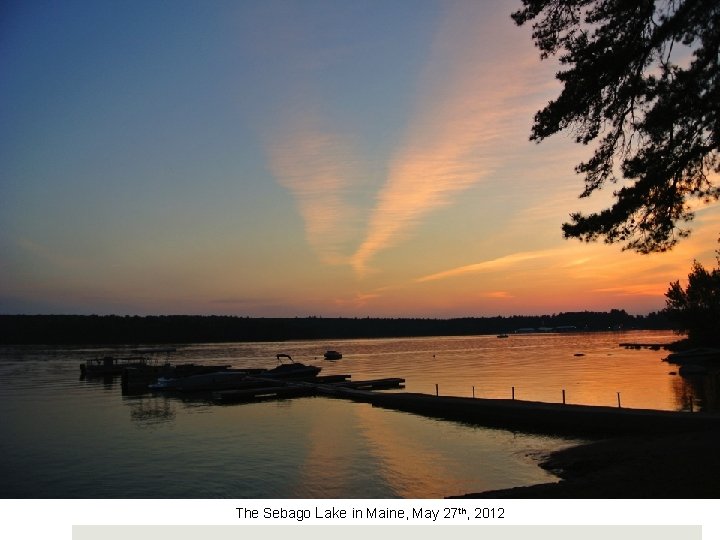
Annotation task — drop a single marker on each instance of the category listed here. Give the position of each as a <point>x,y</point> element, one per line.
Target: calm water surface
<point>66,437</point>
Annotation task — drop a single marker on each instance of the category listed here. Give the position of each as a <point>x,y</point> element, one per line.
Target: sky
<point>280,158</point>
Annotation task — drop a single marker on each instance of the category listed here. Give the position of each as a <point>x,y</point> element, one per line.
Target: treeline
<point>114,329</point>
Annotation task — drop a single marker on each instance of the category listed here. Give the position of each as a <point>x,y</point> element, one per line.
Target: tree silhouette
<point>642,80</point>
<point>696,308</point>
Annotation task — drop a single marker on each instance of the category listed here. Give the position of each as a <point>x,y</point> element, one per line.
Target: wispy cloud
<point>641,289</point>
<point>497,295</point>
<point>490,265</point>
<point>461,115</point>
<point>316,166</point>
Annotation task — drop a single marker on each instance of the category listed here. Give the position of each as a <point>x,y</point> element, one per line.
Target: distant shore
<point>678,466</point>
<point>177,329</point>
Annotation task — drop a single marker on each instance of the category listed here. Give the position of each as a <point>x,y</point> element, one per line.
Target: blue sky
<point>283,158</point>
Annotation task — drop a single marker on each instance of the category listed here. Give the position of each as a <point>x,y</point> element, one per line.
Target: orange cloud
<point>639,289</point>
<point>493,264</point>
<point>466,104</point>
<point>497,294</point>
<point>314,165</point>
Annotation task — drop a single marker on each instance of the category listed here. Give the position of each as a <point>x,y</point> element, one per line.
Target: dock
<point>538,417</point>
<point>651,346</point>
<point>520,415</point>
<point>262,393</point>
<point>254,385</point>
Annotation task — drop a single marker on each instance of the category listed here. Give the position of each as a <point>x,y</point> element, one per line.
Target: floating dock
<point>527,416</point>
<point>534,416</point>
<point>651,346</point>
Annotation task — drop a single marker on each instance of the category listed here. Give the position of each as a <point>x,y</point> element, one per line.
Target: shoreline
<point>676,466</point>
<point>633,453</point>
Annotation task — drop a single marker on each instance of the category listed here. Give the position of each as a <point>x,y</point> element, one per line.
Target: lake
<point>67,437</point>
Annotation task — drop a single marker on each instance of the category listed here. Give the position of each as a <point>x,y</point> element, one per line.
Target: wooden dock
<point>539,417</point>
<point>260,388</point>
<point>652,346</point>
<point>528,416</point>
<point>261,394</point>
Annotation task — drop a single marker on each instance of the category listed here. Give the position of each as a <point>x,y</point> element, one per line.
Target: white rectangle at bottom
<point>387,532</point>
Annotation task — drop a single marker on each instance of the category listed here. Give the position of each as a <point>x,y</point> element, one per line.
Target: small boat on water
<point>218,380</point>
<point>294,370</point>
<point>332,355</point>
<point>136,378</point>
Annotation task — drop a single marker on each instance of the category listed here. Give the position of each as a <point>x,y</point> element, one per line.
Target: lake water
<point>65,437</point>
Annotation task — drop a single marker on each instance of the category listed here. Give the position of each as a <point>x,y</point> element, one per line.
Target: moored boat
<point>332,355</point>
<point>233,379</point>
<point>294,370</point>
<point>136,378</point>
<point>219,380</point>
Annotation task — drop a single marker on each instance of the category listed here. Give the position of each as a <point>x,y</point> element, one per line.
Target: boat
<point>502,336</point>
<point>204,382</point>
<point>332,355</point>
<point>137,378</point>
<point>111,365</point>
<point>294,370</point>
<point>233,379</point>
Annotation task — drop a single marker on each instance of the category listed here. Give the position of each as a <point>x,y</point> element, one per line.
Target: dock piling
<point>437,391</point>
<point>618,396</point>
<point>563,397</point>
<point>513,393</point>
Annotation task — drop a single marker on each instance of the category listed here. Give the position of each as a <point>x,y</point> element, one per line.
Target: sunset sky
<point>295,158</point>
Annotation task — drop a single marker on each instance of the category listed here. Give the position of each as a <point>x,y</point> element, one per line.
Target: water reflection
<point>152,411</point>
<point>311,447</point>
<point>403,457</point>
<point>106,381</point>
<point>698,392</point>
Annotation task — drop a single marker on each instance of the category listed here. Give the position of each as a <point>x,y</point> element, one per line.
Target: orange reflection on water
<point>591,367</point>
<point>331,449</point>
<point>404,459</point>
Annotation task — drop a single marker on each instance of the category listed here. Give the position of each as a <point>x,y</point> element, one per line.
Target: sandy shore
<point>673,466</point>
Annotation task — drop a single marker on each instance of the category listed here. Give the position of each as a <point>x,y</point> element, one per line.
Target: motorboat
<point>219,380</point>
<point>137,378</point>
<point>332,355</point>
<point>292,370</point>
<point>233,379</point>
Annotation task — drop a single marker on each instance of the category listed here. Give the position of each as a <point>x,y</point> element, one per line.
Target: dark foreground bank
<point>680,466</point>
